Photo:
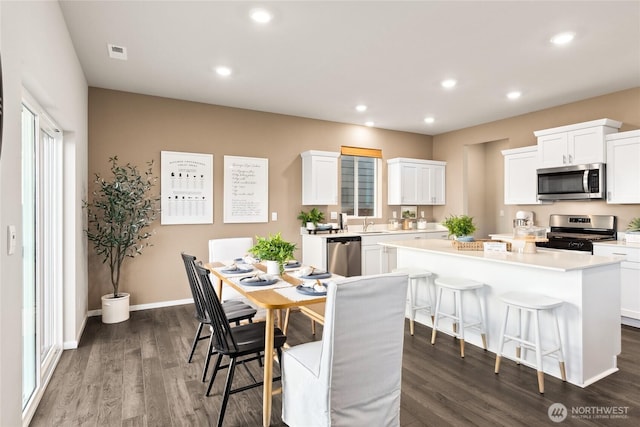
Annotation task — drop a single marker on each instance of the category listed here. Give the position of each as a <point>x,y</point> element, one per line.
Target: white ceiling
<point>319,59</point>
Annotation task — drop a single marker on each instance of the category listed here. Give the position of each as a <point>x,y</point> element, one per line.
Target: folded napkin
<point>254,279</point>
<point>315,286</point>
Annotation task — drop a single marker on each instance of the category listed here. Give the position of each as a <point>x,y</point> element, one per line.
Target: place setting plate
<point>316,274</point>
<point>313,289</point>
<point>238,269</point>
<point>292,264</point>
<point>258,281</point>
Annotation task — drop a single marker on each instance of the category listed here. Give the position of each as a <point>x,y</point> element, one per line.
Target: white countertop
<point>550,260</point>
<point>376,231</point>
<point>618,243</point>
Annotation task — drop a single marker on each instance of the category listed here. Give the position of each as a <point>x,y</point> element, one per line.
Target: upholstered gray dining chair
<point>352,376</point>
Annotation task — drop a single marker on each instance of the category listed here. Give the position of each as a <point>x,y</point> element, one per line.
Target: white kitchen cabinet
<point>314,250</point>
<point>629,277</point>
<point>319,177</point>
<point>377,259</point>
<point>415,182</point>
<point>623,173</point>
<point>520,179</point>
<point>576,144</point>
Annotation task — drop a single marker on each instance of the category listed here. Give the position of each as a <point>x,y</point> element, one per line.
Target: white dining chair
<point>353,375</point>
<point>227,250</point>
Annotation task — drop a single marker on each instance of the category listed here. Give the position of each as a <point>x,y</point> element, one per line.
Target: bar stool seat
<point>415,276</point>
<point>531,304</point>
<point>457,286</point>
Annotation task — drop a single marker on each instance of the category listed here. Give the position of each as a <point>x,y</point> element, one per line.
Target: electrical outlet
<point>274,216</point>
<point>334,215</point>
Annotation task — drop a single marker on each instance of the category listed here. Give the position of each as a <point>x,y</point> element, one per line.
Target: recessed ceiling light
<point>429,120</point>
<point>261,16</point>
<point>563,38</point>
<point>449,83</point>
<point>361,108</point>
<point>514,95</point>
<point>370,124</point>
<point>223,71</point>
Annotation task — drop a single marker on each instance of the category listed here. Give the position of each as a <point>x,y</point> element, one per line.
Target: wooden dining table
<point>272,302</point>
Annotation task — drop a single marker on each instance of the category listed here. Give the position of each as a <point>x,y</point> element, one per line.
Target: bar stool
<point>531,304</point>
<point>415,276</point>
<point>458,286</point>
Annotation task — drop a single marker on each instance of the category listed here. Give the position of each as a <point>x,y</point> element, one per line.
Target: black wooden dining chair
<point>236,311</point>
<point>241,344</point>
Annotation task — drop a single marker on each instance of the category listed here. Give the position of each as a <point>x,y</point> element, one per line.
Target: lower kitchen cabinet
<point>375,259</point>
<point>629,277</point>
<point>378,259</point>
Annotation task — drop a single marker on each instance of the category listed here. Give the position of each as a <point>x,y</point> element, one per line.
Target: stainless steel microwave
<point>577,182</point>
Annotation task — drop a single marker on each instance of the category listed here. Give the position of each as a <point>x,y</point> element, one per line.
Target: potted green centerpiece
<point>311,219</point>
<point>462,227</point>
<point>632,234</point>
<point>119,213</point>
<point>274,251</point>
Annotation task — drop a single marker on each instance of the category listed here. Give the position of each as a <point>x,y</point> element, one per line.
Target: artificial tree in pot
<point>119,214</point>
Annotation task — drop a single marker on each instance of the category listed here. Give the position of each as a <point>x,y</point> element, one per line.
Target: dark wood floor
<point>135,374</point>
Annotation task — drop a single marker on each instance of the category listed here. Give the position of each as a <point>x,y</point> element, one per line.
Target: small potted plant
<point>311,219</point>
<point>462,227</point>
<point>273,248</point>
<point>119,213</point>
<point>632,234</point>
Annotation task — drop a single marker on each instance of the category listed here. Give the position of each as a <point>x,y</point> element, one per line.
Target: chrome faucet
<point>365,224</point>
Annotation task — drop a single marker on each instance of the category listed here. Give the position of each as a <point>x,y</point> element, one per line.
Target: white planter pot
<point>115,310</point>
<point>272,267</point>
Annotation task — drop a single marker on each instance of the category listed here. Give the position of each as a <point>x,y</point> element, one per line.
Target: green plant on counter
<point>634,225</point>
<point>273,248</point>
<point>314,216</point>
<point>459,225</point>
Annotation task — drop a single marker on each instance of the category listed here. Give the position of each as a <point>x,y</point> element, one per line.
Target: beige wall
<point>137,127</point>
<point>470,151</point>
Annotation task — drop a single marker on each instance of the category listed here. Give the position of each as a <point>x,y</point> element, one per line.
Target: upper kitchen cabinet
<point>520,177</point>
<point>319,177</point>
<point>623,173</point>
<point>576,144</point>
<point>415,182</point>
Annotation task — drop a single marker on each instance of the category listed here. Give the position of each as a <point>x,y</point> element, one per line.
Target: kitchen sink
<point>370,232</point>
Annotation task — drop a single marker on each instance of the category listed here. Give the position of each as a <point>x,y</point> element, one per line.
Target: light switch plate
<point>274,216</point>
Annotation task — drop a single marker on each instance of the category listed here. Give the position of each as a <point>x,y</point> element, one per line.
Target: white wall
<point>37,54</point>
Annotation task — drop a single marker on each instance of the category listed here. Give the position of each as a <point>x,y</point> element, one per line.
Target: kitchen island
<point>589,285</point>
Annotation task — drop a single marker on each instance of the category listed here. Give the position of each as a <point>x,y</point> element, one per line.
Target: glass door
<point>42,167</point>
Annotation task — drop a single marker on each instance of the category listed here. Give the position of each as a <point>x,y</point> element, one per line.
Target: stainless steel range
<point>578,232</point>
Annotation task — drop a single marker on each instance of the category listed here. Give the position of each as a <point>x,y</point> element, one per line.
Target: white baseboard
<point>630,322</point>
<point>139,307</point>
<point>72,345</point>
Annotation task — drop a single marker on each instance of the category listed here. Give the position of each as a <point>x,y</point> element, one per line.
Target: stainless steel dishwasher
<point>343,255</point>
